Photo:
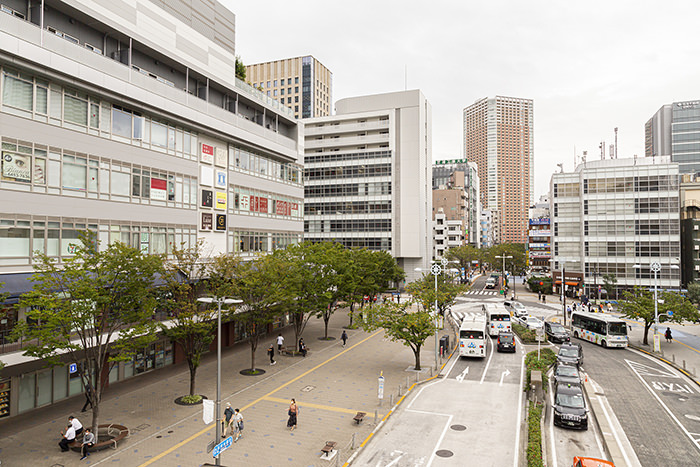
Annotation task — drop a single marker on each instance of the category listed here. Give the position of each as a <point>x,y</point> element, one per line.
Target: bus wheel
<point>604,344</point>
<point>576,334</point>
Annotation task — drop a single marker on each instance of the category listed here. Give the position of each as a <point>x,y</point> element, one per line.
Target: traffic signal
<point>541,282</point>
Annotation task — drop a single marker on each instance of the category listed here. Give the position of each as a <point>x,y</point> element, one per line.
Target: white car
<point>531,322</point>
<point>517,308</point>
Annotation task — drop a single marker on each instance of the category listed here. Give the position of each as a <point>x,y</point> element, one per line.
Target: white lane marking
<point>430,384</point>
<point>460,377</point>
<point>490,345</point>
<point>646,370</point>
<point>668,411</point>
<point>503,375</point>
<point>598,439</point>
<point>520,412</point>
<point>551,425</point>
<point>665,365</point>
<point>392,462</point>
<point>439,441</point>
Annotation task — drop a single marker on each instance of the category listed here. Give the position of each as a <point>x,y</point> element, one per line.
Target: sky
<point>589,66</point>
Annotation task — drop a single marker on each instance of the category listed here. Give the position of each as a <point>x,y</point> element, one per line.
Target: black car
<point>566,374</point>
<point>570,407</point>
<point>556,332</point>
<point>570,354</point>
<point>506,342</point>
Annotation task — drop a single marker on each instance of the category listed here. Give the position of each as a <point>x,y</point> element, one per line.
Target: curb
<point>438,374</point>
<point>672,364</point>
<point>610,444</point>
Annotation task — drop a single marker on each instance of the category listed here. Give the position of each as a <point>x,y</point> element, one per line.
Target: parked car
<point>517,308</point>
<point>556,332</point>
<point>566,374</point>
<point>570,354</point>
<point>491,283</point>
<point>506,342</point>
<point>570,407</point>
<point>531,322</point>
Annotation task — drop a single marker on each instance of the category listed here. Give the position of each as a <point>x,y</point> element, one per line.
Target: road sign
<point>73,368</point>
<point>655,267</point>
<point>435,269</point>
<point>669,313</point>
<point>222,446</point>
<point>444,262</point>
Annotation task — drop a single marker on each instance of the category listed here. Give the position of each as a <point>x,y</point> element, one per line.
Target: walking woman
<point>293,412</point>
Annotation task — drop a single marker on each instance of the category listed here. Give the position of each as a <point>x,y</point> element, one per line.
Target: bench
<point>113,432</point>
<point>328,448</point>
<point>359,417</point>
<point>285,351</point>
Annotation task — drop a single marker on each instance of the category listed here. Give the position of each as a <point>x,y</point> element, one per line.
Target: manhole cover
<point>458,427</point>
<point>444,453</point>
<point>308,388</point>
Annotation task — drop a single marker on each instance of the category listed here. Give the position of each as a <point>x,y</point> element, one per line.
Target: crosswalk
<point>481,292</point>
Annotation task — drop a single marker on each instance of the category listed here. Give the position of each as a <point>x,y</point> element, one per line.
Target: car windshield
<point>557,328</point>
<point>574,401</point>
<point>506,339</point>
<point>531,319</point>
<point>568,352</point>
<point>565,370</point>
<point>518,306</point>
<point>617,329</point>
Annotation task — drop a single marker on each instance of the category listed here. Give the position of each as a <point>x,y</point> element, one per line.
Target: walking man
<point>344,337</point>
<point>271,353</point>
<point>280,343</point>
<point>88,442</point>
<point>228,420</point>
<point>238,424</point>
<point>88,395</point>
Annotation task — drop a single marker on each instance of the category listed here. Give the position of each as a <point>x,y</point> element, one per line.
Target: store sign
<point>159,189</point>
<point>220,200</point>
<point>245,203</point>
<point>540,221</point>
<point>207,153</point>
<point>17,167</point>
<point>221,158</point>
<point>207,221</point>
<point>221,222</point>
<point>207,198</point>
<point>221,176</point>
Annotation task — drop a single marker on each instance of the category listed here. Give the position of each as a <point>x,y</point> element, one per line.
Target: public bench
<point>287,351</point>
<point>328,448</point>
<point>108,437</point>
<point>359,417</point>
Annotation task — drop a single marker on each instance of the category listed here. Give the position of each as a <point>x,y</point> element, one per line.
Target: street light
<point>503,273</point>
<point>655,267</point>
<point>435,270</point>
<point>218,301</point>
<point>563,285</point>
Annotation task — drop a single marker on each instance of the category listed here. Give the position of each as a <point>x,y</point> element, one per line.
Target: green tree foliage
<point>610,285</point>
<point>693,293</point>
<point>423,291</point>
<point>96,307</point>
<point>517,265</point>
<point>639,304</point>
<point>545,287</point>
<point>402,324</point>
<point>240,68</point>
<point>464,255</point>
<point>259,283</point>
<point>191,325</point>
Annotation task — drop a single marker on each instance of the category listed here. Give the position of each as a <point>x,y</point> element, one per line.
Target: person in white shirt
<point>77,426</point>
<point>68,437</point>
<point>280,343</point>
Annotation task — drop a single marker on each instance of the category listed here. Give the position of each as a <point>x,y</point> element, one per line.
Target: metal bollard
<point>352,442</point>
<point>375,416</point>
<point>399,390</point>
<point>684,364</point>
<point>391,400</point>
<point>407,382</point>
<point>673,358</point>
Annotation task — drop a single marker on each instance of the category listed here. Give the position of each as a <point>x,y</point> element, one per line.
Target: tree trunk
<point>352,310</point>
<point>253,346</point>
<point>647,326</point>
<point>326,318</point>
<point>193,372</point>
<point>416,354</point>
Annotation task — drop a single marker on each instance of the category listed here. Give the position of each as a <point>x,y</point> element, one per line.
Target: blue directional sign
<point>222,446</point>
<point>670,313</point>
<point>73,368</point>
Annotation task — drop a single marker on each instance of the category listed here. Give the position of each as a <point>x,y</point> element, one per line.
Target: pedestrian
<point>271,353</point>
<point>280,343</point>
<point>68,437</point>
<point>292,412</point>
<point>573,307</point>
<point>88,442</point>
<point>669,337</point>
<point>77,426</point>
<point>610,309</point>
<point>344,337</point>
<point>303,349</point>
<point>600,307</point>
<point>301,342</point>
<point>539,296</point>
<point>544,298</point>
<point>228,420</point>
<point>238,425</point>
<point>88,397</point>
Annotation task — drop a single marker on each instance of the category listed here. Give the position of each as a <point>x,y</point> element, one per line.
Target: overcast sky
<point>589,66</point>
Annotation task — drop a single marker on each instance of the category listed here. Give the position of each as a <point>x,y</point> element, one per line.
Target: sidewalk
<point>330,385</point>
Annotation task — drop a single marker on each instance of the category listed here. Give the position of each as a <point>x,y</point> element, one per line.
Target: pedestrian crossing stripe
<point>481,292</point>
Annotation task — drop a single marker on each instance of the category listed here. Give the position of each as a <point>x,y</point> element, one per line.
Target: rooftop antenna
<point>602,150</point>
<point>583,158</point>
<point>561,167</point>
<point>612,151</point>
<point>615,143</point>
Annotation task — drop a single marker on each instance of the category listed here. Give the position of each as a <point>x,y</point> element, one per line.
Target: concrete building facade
<point>460,174</point>
<point>367,176</point>
<point>674,130</point>
<point>690,228</point>
<point>617,217</point>
<point>539,245</point>
<point>302,83</point>
<point>499,138</point>
<point>125,118</point>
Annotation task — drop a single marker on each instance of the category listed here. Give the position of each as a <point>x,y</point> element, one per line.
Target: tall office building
<point>124,118</point>
<point>616,216</point>
<point>303,84</point>
<point>462,176</point>
<point>367,176</point>
<point>498,136</point>
<point>674,130</point>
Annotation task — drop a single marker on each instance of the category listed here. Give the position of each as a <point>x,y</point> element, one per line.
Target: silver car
<point>517,308</point>
<point>531,322</point>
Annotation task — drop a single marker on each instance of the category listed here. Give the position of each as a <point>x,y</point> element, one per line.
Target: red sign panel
<point>206,149</point>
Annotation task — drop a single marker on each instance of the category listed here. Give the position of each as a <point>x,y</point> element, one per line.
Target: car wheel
<point>604,344</point>
<point>576,334</point>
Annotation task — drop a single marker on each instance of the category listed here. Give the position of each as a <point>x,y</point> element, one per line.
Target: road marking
<point>656,396</point>
<point>646,370</point>
<point>551,425</point>
<point>439,441</point>
<point>316,406</point>
<point>503,375</point>
<point>490,345</point>
<point>394,461</point>
<point>460,377</point>
<point>213,426</point>
<point>520,411</point>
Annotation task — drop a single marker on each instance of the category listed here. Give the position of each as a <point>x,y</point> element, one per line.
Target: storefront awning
<point>568,283</point>
<point>15,285</point>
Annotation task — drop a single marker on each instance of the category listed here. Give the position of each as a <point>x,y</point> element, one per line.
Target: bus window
<point>618,329</point>
<point>471,335</point>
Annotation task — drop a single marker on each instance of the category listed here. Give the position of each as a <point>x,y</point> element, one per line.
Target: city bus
<point>598,328</point>
<point>497,318</point>
<point>472,336</point>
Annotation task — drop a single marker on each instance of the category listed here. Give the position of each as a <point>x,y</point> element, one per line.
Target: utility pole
<point>563,285</point>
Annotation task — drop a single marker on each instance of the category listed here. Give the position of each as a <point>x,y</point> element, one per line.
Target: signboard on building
<point>207,198</point>
<point>207,153</point>
<point>221,157</point>
<point>220,179</point>
<point>221,222</point>
<point>207,221</point>
<point>159,189</point>
<point>220,200</point>
<point>540,221</point>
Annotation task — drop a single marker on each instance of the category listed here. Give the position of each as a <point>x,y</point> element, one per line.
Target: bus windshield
<point>471,334</point>
<point>617,329</point>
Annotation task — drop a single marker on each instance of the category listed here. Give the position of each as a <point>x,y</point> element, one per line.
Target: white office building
<point>367,176</point>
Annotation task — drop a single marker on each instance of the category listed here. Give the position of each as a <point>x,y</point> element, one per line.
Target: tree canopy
<point>423,291</point>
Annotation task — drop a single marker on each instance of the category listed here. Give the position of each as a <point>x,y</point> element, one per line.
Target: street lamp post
<point>218,301</point>
<point>435,270</point>
<point>503,273</point>
<point>563,285</point>
<point>655,267</point>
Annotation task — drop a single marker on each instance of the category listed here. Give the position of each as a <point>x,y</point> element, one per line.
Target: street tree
<point>423,291</point>
<point>191,325</point>
<point>402,324</point>
<point>610,285</point>
<point>639,304</point>
<point>464,255</point>
<point>516,265</point>
<point>258,284</point>
<point>95,308</point>
<point>694,293</point>
<point>240,68</point>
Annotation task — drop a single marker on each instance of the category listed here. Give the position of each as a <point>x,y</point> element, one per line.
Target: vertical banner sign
<point>262,204</point>
<point>159,189</point>
<point>221,222</point>
<point>220,181</point>
<point>657,342</point>
<point>220,200</point>
<point>207,411</point>
<point>221,157</point>
<point>207,153</point>
<point>207,198</point>
<point>380,388</point>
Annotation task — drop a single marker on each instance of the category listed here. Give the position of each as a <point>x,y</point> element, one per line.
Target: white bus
<point>472,336</point>
<point>598,328</point>
<point>497,318</point>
